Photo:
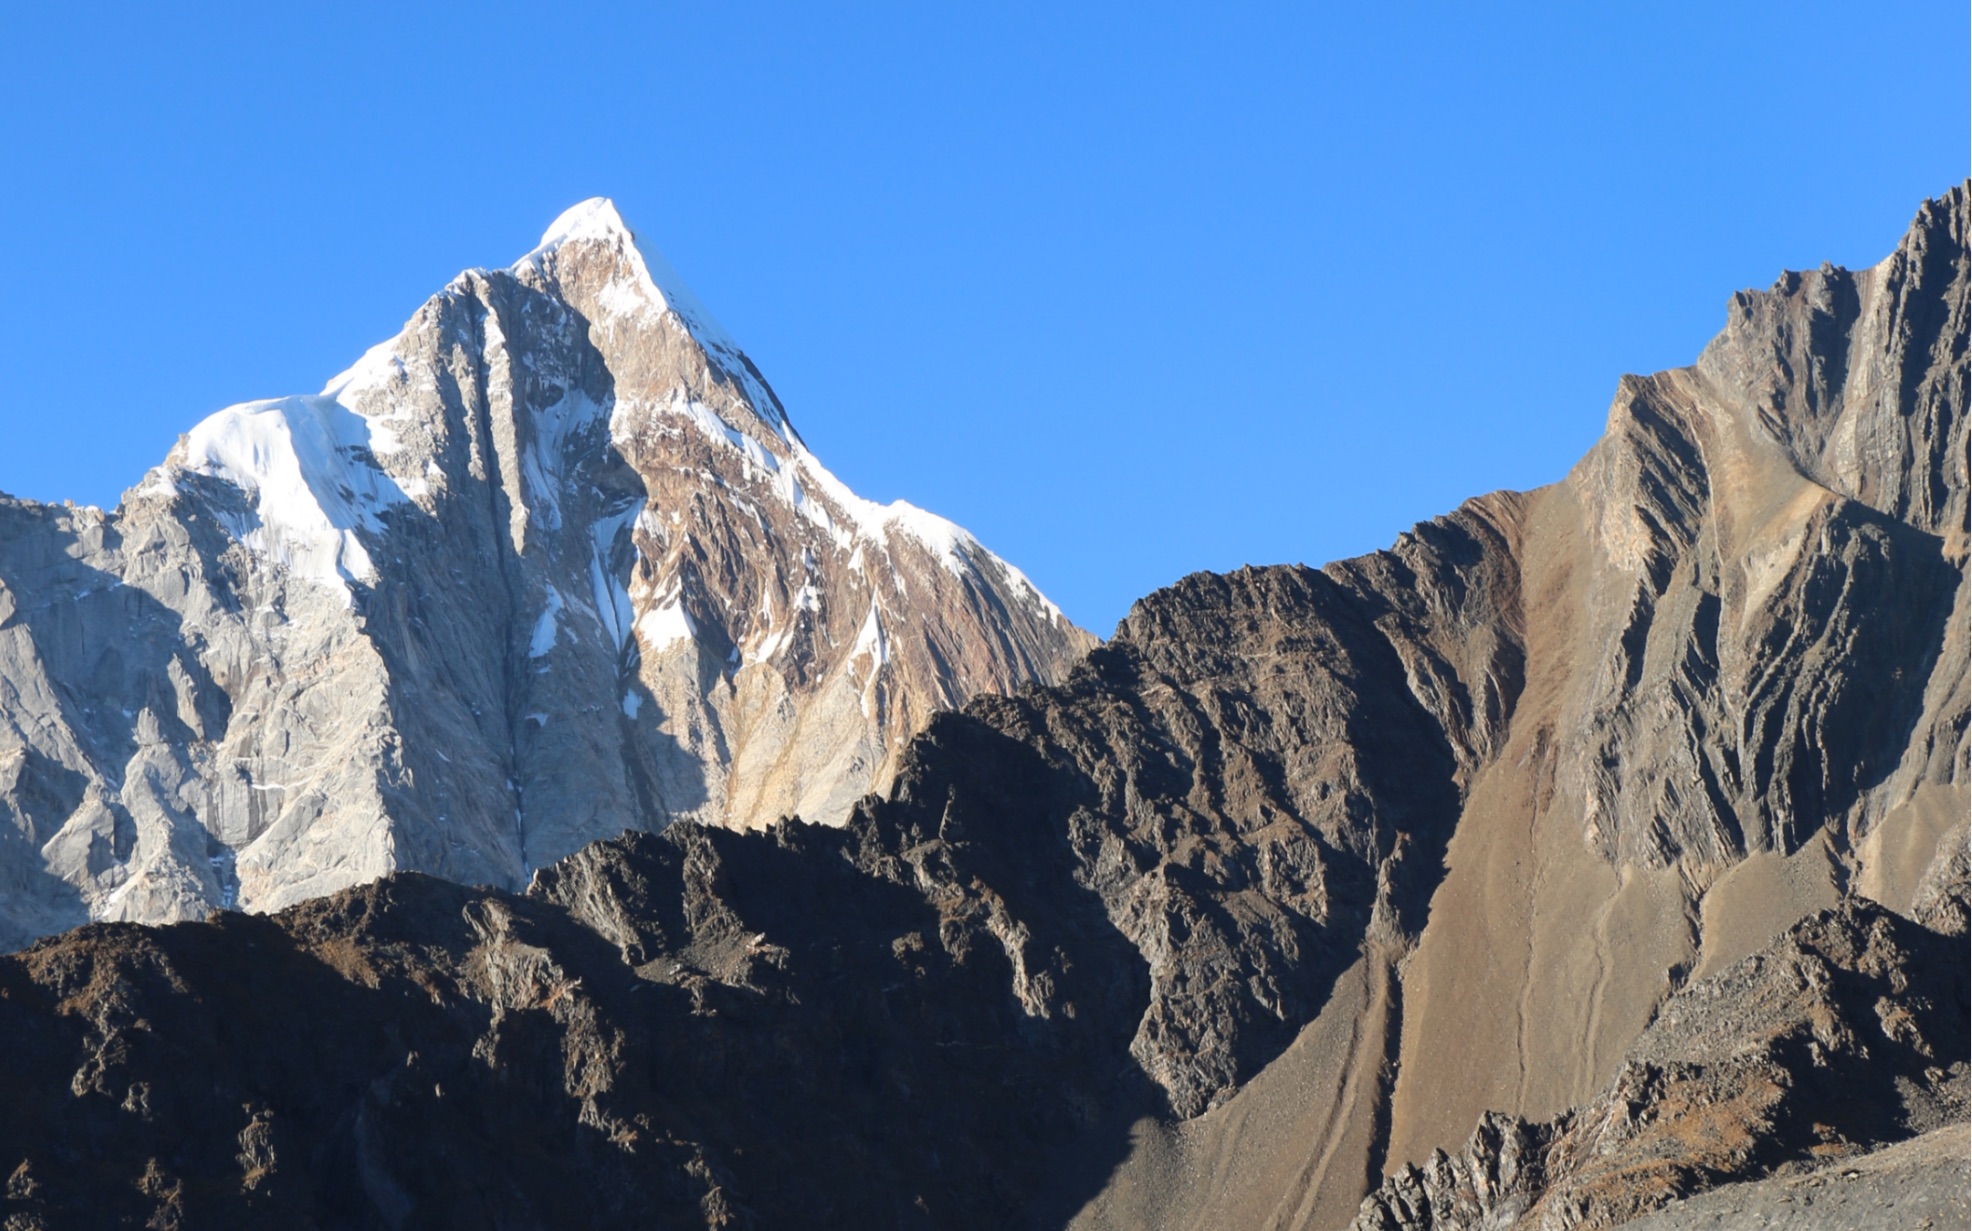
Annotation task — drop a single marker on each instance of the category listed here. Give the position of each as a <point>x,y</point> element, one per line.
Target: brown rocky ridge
<point>1845,1034</point>
<point>1624,819</point>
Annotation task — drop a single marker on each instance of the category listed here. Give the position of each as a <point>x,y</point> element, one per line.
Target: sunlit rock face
<point>549,564</point>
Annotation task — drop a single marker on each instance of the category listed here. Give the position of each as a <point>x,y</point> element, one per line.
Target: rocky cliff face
<point>1491,822</point>
<point>549,564</point>
<point>1744,621</point>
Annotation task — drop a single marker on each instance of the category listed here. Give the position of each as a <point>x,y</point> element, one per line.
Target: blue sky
<point>1127,290</point>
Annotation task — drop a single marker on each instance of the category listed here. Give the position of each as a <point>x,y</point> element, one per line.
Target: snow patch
<point>666,625</point>
<point>771,645</point>
<point>544,628</point>
<point>871,640</point>
<point>871,643</point>
<point>948,543</point>
<point>716,429</point>
<point>613,607</point>
<point>308,465</point>
<point>543,459</point>
<point>380,368</point>
<point>789,489</point>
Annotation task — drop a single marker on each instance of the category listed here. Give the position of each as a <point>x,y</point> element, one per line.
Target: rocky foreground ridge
<point>549,564</point>
<point>1848,1033</point>
<point>1624,819</point>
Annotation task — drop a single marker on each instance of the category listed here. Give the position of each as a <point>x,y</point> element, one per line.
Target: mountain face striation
<point>549,564</point>
<point>1590,847</point>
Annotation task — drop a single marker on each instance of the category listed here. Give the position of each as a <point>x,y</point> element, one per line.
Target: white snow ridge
<point>306,462</point>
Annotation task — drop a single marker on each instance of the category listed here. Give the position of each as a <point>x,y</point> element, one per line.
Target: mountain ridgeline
<point>1589,847</point>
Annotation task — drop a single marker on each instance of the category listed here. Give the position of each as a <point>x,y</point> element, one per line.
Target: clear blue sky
<point>1127,290</point>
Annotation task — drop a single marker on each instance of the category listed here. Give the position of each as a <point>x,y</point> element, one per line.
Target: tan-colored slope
<point>1292,1151</point>
<point>1540,959</point>
<point>1844,1035</point>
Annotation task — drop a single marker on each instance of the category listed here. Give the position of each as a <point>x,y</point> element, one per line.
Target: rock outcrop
<point>802,1041</point>
<point>550,564</point>
<point>1848,1033</point>
<point>1925,1183</point>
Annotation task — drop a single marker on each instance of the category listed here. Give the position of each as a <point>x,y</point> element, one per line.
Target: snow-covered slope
<point>550,563</point>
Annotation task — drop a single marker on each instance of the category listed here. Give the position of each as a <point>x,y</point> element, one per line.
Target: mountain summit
<point>549,564</point>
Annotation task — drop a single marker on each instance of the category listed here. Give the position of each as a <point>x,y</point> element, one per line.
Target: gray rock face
<point>550,564</point>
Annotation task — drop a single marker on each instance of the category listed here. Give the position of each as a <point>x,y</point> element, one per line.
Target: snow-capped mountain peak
<point>595,218</point>
<point>638,283</point>
<point>549,563</point>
